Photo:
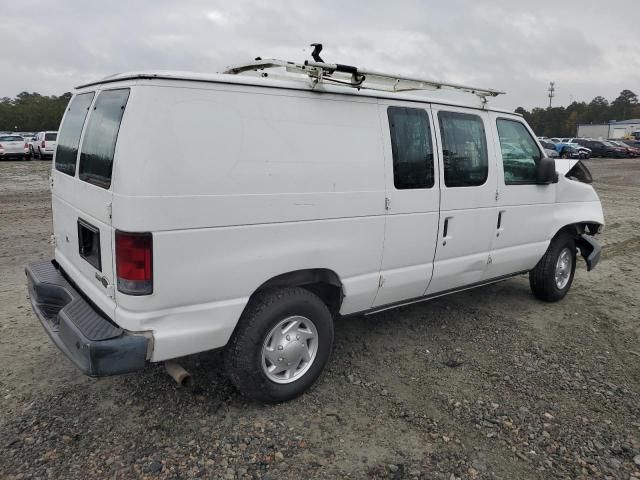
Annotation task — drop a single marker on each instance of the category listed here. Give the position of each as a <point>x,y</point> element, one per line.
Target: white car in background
<point>43,144</point>
<point>12,146</point>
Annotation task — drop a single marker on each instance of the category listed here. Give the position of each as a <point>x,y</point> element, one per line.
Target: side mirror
<point>546,173</point>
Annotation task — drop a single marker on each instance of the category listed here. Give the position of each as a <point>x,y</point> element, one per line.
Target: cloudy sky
<point>587,47</point>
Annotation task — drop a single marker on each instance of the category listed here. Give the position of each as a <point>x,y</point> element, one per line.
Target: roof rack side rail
<point>358,78</point>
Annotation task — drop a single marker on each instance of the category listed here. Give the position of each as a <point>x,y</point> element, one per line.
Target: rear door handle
<point>445,230</point>
<point>499,226</point>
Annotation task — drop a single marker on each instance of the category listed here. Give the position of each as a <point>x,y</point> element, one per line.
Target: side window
<point>99,143</point>
<point>464,149</point>
<point>520,154</point>
<point>411,148</point>
<point>67,149</point>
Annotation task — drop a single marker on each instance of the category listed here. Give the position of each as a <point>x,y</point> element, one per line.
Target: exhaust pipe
<point>179,374</point>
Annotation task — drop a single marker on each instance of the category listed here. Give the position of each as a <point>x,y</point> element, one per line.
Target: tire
<point>246,353</point>
<point>542,279</point>
<point>39,154</point>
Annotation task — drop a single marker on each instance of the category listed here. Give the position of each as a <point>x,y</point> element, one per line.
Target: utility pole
<point>551,90</point>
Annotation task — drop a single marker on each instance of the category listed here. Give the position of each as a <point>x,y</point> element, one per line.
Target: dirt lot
<point>489,383</point>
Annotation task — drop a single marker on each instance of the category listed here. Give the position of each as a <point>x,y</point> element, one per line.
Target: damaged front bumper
<point>590,250</point>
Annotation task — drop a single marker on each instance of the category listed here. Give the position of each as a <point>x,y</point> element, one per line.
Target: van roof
<point>276,81</point>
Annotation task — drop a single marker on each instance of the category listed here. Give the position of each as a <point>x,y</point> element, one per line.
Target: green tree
<point>622,106</point>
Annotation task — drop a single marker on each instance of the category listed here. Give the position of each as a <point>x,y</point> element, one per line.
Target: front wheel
<point>281,345</point>
<point>552,277</point>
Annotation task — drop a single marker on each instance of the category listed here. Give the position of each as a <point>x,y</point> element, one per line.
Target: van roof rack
<point>358,78</point>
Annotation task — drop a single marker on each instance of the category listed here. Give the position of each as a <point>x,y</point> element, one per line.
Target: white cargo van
<point>324,192</point>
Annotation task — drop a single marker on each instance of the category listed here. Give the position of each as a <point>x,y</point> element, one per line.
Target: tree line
<point>32,112</point>
<point>563,121</point>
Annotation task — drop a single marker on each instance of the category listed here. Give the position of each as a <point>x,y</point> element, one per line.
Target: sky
<point>587,47</point>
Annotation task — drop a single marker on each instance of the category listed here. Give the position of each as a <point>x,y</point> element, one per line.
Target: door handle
<point>445,230</point>
<point>499,226</point>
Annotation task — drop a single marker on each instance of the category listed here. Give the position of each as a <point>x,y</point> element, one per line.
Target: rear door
<point>412,204</point>
<point>82,192</point>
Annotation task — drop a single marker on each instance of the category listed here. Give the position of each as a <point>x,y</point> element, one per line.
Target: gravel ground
<point>488,383</point>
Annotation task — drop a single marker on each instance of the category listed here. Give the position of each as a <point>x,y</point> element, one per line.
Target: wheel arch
<point>323,282</point>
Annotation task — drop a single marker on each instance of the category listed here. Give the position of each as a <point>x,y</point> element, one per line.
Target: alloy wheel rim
<point>289,349</point>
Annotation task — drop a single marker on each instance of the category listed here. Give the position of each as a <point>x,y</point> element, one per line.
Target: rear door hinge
<point>380,281</point>
<point>387,203</point>
<point>109,210</point>
<point>51,182</point>
<point>497,194</point>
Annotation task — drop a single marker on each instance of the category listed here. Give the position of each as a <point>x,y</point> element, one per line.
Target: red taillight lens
<point>42,144</point>
<point>26,145</point>
<point>134,263</point>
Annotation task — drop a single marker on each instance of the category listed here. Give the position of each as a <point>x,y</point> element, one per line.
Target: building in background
<point>613,129</point>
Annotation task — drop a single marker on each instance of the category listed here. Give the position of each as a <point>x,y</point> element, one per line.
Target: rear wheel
<point>281,344</point>
<point>39,154</point>
<point>552,277</point>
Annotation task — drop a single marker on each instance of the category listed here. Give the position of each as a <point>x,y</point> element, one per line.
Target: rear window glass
<point>12,138</point>
<point>67,149</point>
<point>50,137</point>
<point>99,143</point>
<point>411,148</point>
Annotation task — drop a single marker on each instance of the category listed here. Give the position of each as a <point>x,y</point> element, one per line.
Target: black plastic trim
<point>590,250</point>
<point>92,342</point>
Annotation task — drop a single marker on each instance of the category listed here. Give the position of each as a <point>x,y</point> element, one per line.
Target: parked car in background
<point>598,147</point>
<point>632,152</point>
<point>617,151</point>
<point>44,144</point>
<point>13,146</point>
<point>632,143</point>
<point>549,148</point>
<point>567,150</point>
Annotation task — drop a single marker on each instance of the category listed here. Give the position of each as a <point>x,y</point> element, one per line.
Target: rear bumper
<point>93,343</point>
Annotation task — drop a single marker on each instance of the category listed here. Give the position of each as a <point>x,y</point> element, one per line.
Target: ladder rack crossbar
<point>358,78</point>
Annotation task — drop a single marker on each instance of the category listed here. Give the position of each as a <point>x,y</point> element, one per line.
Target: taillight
<point>26,145</point>
<point>134,263</point>
<point>42,144</point>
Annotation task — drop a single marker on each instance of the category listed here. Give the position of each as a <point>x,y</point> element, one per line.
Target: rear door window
<point>99,143</point>
<point>67,149</point>
<point>50,137</point>
<point>411,148</point>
